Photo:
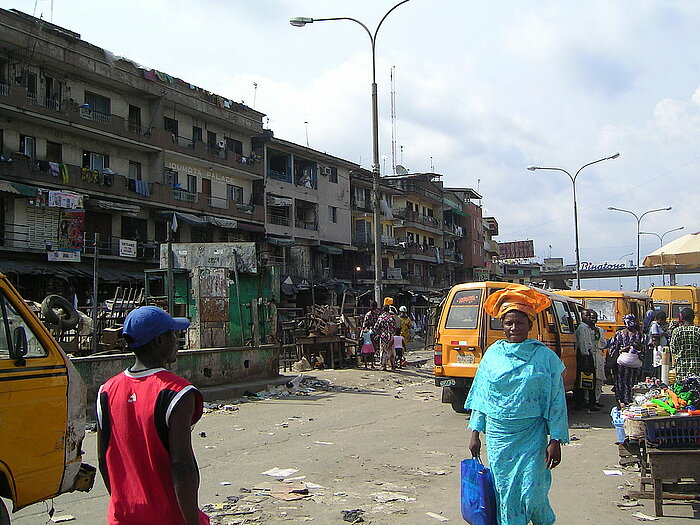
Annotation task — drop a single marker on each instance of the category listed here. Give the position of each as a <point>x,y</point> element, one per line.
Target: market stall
<point>662,428</point>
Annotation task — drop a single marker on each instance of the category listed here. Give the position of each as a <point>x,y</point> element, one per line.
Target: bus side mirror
<point>19,346</point>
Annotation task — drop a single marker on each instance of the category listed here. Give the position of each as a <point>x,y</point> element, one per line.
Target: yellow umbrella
<point>684,251</point>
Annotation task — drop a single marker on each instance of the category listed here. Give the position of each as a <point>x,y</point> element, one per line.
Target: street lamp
<point>573,184</point>
<point>661,243</point>
<point>301,21</point>
<point>639,220</point>
<point>619,279</point>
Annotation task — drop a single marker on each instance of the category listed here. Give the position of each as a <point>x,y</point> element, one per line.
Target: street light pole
<point>639,221</point>
<point>661,243</point>
<point>573,184</point>
<point>301,21</point>
<point>619,279</point>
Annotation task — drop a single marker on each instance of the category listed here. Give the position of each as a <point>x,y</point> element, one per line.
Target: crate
<point>673,432</point>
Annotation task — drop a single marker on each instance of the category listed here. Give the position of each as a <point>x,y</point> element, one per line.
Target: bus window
<point>464,310</point>
<point>661,308</point>
<point>676,309</point>
<point>564,317</point>
<point>605,308</point>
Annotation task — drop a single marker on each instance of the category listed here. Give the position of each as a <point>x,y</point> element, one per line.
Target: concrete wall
<point>210,367</point>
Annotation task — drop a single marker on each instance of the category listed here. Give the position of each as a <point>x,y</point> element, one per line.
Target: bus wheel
<point>459,396</point>
<point>4,515</point>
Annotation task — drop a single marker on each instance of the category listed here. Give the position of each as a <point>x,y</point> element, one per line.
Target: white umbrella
<point>684,251</point>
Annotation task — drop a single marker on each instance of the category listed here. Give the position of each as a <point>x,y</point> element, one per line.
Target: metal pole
<point>639,220</point>
<point>170,286</point>
<point>95,284</point>
<point>578,255</point>
<point>375,187</point>
<point>238,299</point>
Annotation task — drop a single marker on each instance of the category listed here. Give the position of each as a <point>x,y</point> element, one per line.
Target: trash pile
<point>299,386</point>
<point>324,320</point>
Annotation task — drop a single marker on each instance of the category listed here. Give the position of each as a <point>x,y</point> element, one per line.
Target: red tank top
<point>133,411</point>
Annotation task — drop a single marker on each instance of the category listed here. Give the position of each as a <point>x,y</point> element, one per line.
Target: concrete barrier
<point>203,368</point>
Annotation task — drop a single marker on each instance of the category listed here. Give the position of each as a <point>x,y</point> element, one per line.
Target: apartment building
<point>308,217</point>
<point>471,243</point>
<point>94,144</point>
<point>419,229</point>
<point>492,269</point>
<point>393,280</point>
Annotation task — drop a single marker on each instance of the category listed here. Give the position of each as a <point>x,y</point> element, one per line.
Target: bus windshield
<point>605,308</point>
<point>464,310</point>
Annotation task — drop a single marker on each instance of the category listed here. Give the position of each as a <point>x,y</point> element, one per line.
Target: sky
<point>482,90</point>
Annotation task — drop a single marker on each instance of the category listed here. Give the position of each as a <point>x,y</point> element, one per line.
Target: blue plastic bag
<point>478,493</point>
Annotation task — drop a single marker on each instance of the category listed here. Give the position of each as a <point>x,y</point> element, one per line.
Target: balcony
<point>421,252</point>
<point>185,196</point>
<point>95,116</point>
<point>306,225</point>
<point>4,89</point>
<point>276,175</point>
<point>219,203</point>
<point>119,187</point>
<point>416,218</point>
<point>362,205</point>
<point>278,220</point>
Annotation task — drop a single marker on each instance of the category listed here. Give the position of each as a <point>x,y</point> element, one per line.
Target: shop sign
<point>127,248</point>
<point>63,256</point>
<point>606,266</point>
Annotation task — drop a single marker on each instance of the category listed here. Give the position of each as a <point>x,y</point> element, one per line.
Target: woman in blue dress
<point>518,401</point>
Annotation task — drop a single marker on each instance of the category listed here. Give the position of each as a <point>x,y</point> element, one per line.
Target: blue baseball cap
<point>145,323</point>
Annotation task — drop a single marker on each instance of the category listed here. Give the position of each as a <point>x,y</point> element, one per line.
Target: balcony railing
<point>388,241</point>
<point>361,239</point>
<point>216,151</point>
<point>4,89</point>
<point>276,175</point>
<point>279,221</point>
<point>217,202</point>
<point>185,196</point>
<point>306,225</point>
<point>414,216</point>
<point>95,116</point>
<point>49,103</point>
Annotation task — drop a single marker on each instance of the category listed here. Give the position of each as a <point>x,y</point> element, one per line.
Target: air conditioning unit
<point>326,170</point>
<point>222,145</point>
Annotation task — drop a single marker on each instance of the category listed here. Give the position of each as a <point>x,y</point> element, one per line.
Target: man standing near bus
<point>589,358</point>
<point>685,346</point>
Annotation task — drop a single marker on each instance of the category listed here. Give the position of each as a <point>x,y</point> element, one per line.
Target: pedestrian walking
<point>367,348</point>
<point>406,323</point>
<point>144,416</point>
<point>685,346</point>
<point>518,401</point>
<point>627,352</point>
<point>399,347</point>
<point>368,322</point>
<point>384,328</point>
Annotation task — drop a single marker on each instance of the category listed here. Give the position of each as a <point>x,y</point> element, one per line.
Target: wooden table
<point>673,464</point>
<point>330,345</point>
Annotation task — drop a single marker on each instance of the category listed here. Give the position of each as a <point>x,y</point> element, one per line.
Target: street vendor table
<point>673,464</point>
<point>332,347</point>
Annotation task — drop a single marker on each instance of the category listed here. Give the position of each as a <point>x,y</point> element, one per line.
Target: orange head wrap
<point>516,297</point>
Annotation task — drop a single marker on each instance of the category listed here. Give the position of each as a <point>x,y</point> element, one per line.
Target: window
<point>431,241</point>
<point>95,161</point>
<point>29,83</point>
<point>564,316</point>
<point>134,170</point>
<point>332,214</point>
<point>134,118</point>
<point>54,152</point>
<point>10,319</point>
<point>464,310</point>
<point>196,134</point>
<point>211,139</point>
<point>27,145</point>
<point>52,92</point>
<point>234,193</point>
<point>170,125</point>
<point>192,184</point>
<point>135,229</point>
<point>98,103</point>
<point>236,146</point>
<point>171,177</point>
<point>333,175</point>
<point>3,71</point>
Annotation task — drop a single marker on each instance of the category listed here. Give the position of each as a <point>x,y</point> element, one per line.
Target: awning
<point>186,217</point>
<point>70,270</point>
<point>250,227</point>
<point>25,189</point>
<point>280,242</point>
<point>7,187</point>
<point>331,250</point>
<point>228,224</point>
<point>117,206</point>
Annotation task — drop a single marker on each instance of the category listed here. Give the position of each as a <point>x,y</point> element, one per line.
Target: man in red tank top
<point>145,415</point>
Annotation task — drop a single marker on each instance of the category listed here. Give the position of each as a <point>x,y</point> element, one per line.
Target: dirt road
<point>377,441</point>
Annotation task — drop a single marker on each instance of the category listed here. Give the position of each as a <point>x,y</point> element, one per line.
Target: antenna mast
<point>393,120</point>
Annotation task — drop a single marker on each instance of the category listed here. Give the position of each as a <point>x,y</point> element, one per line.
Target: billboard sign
<point>517,249</point>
